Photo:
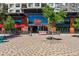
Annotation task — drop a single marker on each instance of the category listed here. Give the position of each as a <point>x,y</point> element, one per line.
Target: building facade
<point>3,8</point>
<point>14,8</point>
<point>30,15</point>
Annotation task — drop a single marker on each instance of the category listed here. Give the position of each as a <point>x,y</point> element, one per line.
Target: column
<point>71,24</point>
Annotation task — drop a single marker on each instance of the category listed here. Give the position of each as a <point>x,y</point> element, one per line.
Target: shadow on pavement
<point>50,38</point>
<point>75,35</point>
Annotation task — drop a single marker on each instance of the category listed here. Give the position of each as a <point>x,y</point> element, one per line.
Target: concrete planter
<point>72,30</point>
<point>43,32</point>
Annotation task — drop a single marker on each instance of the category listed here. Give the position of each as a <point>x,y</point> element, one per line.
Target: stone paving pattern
<point>38,45</point>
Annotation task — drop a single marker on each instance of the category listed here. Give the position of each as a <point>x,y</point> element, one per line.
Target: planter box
<point>43,32</point>
<point>72,30</point>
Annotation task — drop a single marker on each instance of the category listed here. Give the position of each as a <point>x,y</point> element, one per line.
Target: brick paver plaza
<point>38,45</point>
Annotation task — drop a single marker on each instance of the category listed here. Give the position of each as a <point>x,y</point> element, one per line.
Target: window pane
<point>11,10</point>
<point>17,5</point>
<point>37,4</point>
<point>30,4</point>
<point>17,10</point>
<point>24,5</point>
<point>11,5</point>
<point>43,4</point>
<point>51,4</point>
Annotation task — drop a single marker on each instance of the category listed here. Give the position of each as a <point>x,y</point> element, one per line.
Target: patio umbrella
<point>23,25</point>
<point>17,26</point>
<point>1,25</point>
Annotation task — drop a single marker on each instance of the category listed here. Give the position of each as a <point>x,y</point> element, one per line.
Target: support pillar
<point>72,25</point>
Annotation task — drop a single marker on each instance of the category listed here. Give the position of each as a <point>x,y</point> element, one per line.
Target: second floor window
<point>17,10</point>
<point>43,4</point>
<point>11,11</point>
<point>30,5</point>
<point>37,4</point>
<point>11,5</point>
<point>17,5</point>
<point>51,4</point>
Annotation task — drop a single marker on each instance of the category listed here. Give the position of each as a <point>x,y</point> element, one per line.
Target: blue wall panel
<point>44,20</point>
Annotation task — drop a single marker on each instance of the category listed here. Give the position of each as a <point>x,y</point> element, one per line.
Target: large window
<point>11,5</point>
<point>18,11</point>
<point>37,4</point>
<point>43,4</point>
<point>17,5</point>
<point>24,5</point>
<point>30,4</point>
<point>57,5</point>
<point>50,4</point>
<point>11,11</point>
<point>43,28</point>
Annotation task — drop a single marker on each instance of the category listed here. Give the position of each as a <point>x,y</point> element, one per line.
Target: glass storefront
<point>37,23</point>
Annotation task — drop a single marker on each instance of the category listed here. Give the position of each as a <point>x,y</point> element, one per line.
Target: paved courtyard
<point>38,45</point>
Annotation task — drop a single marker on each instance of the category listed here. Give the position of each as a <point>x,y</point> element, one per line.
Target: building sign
<point>37,22</point>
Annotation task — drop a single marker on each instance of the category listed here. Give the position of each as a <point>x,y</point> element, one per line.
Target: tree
<point>9,23</point>
<point>53,17</point>
<point>61,15</point>
<point>3,17</point>
<point>77,23</point>
<point>49,13</point>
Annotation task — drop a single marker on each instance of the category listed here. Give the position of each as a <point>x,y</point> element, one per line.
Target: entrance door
<point>35,29</point>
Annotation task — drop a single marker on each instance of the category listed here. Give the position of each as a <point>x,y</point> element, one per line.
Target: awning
<point>20,25</point>
<point>18,21</point>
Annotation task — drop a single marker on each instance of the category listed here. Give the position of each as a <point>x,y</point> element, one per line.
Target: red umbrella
<point>17,26</point>
<point>1,25</point>
<point>23,25</point>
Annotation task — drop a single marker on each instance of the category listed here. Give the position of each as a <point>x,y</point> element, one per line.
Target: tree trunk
<point>72,25</point>
<point>54,26</point>
<point>51,27</point>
